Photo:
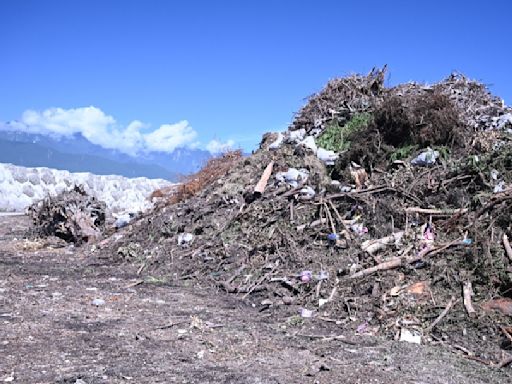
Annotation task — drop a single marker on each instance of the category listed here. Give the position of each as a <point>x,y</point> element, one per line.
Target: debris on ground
<point>368,239</point>
<point>73,216</point>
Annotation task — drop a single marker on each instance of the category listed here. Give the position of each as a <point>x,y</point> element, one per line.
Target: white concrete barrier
<point>21,186</point>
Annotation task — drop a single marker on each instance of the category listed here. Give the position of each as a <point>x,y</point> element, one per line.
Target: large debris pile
<point>73,216</point>
<point>404,237</point>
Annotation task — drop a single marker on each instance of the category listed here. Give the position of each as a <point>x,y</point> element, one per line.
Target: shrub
<point>337,138</point>
<point>424,119</point>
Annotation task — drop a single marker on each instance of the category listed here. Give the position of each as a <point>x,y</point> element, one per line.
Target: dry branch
<point>505,362</point>
<point>449,306</point>
<point>312,224</point>
<point>372,246</point>
<point>398,261</point>
<point>390,264</point>
<point>436,212</point>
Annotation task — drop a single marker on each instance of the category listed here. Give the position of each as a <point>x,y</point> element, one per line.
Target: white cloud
<point>215,147</point>
<point>102,129</point>
<point>170,136</point>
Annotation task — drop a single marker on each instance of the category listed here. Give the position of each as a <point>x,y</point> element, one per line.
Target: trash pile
<point>384,210</point>
<point>73,216</point>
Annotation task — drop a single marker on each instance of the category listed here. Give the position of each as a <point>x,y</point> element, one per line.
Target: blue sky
<point>174,73</point>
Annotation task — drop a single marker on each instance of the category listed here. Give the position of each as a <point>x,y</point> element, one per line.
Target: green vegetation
<point>444,151</point>
<point>403,152</point>
<point>407,150</point>
<point>337,138</point>
<point>155,280</point>
<point>295,321</point>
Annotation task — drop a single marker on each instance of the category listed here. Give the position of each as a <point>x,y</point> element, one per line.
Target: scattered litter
<point>410,336</point>
<point>123,220</point>
<point>307,192</point>
<point>297,136</point>
<point>359,229</point>
<point>322,275</point>
<point>185,238</point>
<point>359,175</point>
<point>309,142</point>
<point>293,176</point>
<point>467,241</point>
<point>98,302</point>
<point>322,302</point>
<point>332,237</point>
<point>504,120</point>
<point>500,187</point>
<point>306,313</point>
<point>428,236</point>
<point>328,157</point>
<point>277,143</point>
<point>267,303</point>
<point>395,291</point>
<point>306,276</point>
<point>361,328</point>
<point>426,158</point>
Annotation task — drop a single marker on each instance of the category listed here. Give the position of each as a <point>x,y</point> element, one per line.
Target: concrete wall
<point>20,186</point>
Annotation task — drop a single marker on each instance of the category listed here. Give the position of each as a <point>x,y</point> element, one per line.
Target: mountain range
<point>77,154</point>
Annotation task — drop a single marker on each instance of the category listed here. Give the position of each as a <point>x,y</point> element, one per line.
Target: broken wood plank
<point>262,183</point>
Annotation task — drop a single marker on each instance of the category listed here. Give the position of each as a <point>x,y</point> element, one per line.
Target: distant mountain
<point>77,154</point>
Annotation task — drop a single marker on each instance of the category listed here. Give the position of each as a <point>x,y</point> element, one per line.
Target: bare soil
<point>155,332</point>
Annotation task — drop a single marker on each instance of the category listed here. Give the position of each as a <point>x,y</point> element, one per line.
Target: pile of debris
<point>73,216</point>
<point>385,225</point>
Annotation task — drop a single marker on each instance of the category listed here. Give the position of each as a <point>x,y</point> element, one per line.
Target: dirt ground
<point>156,332</point>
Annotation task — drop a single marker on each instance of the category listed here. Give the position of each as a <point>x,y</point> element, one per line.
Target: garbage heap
<point>72,215</point>
<point>384,210</point>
